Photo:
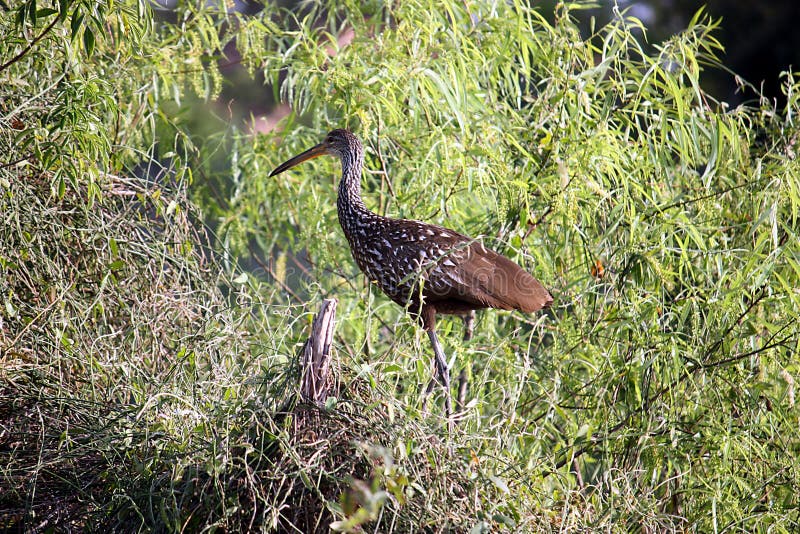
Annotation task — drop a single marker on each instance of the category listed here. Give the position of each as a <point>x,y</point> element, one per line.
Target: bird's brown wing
<point>499,282</point>
<point>468,271</point>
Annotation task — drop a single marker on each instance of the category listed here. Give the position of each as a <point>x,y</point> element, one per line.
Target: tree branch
<point>30,46</point>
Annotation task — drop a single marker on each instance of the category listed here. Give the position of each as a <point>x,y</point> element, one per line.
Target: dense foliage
<point>156,286</point>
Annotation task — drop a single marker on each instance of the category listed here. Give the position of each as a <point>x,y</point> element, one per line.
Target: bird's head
<point>339,143</point>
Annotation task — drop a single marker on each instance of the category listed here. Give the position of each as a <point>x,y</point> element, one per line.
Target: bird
<point>425,268</point>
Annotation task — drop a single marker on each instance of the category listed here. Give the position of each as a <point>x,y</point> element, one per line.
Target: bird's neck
<point>350,206</point>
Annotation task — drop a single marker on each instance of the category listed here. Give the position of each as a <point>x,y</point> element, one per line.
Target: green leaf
<point>21,15</point>
<point>45,12</point>
<point>88,40</point>
<point>75,23</point>
<point>500,483</point>
<point>63,9</point>
<point>481,527</point>
<point>504,520</point>
<point>32,11</point>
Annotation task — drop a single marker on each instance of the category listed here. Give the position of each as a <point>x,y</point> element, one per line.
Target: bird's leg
<point>462,392</point>
<point>469,324</point>
<point>430,386</point>
<point>427,392</point>
<point>443,373</point>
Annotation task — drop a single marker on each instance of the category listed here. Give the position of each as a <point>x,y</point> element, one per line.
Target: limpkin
<point>425,268</point>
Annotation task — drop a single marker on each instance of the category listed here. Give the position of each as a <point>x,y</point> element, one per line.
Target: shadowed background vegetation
<point>156,286</point>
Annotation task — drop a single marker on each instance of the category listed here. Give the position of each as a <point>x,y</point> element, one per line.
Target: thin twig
<point>658,209</point>
<point>533,225</point>
<point>12,163</point>
<point>30,46</point>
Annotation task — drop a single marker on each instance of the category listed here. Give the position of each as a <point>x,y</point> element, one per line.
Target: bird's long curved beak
<point>313,152</point>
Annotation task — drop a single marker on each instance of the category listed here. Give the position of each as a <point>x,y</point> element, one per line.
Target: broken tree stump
<point>316,357</point>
